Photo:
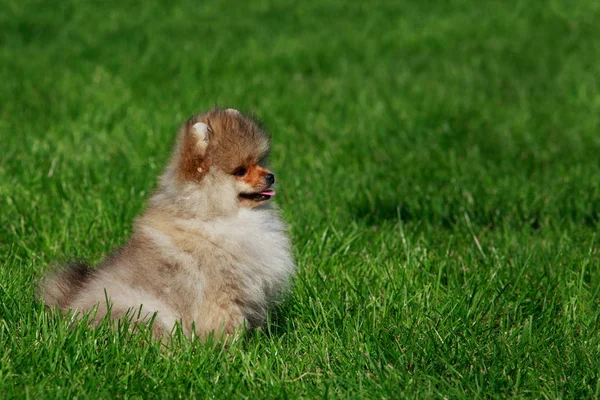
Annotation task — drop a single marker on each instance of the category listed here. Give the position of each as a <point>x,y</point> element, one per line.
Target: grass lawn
<point>438,164</point>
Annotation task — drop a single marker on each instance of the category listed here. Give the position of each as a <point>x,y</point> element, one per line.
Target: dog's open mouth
<point>259,196</point>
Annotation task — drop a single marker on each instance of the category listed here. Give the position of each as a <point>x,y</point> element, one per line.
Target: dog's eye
<point>240,171</point>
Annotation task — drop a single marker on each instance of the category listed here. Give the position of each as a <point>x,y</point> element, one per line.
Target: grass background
<point>437,162</point>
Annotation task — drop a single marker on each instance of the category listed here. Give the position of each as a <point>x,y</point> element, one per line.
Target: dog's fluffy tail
<point>61,287</point>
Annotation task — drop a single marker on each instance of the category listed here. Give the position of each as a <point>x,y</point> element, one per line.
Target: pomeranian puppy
<point>209,252</point>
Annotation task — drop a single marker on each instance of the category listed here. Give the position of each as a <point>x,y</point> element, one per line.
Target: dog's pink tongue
<point>269,192</point>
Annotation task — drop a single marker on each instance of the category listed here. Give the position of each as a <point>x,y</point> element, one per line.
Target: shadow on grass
<point>278,320</point>
<point>375,212</point>
<point>378,211</point>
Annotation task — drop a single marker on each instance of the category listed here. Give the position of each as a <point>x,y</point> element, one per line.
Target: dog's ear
<point>200,132</point>
<point>194,162</point>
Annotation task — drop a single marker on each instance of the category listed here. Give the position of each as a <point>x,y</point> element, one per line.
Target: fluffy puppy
<point>209,252</point>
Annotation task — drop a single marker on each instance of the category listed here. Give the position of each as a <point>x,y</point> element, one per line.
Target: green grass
<point>438,164</point>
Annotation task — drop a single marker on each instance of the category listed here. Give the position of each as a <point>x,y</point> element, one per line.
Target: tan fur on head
<point>209,252</point>
<point>210,148</point>
<point>228,138</point>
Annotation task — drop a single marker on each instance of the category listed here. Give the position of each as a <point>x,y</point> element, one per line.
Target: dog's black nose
<point>270,178</point>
